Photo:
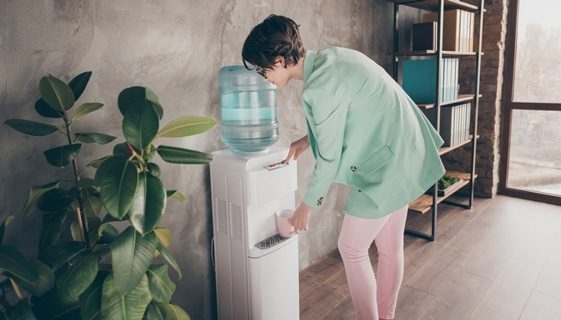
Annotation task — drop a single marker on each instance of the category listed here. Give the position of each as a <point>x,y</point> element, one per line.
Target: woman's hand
<point>296,148</point>
<point>300,217</point>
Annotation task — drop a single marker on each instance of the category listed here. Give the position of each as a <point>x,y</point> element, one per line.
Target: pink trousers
<point>373,300</point>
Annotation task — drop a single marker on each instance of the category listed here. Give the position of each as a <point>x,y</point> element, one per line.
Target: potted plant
<point>114,264</point>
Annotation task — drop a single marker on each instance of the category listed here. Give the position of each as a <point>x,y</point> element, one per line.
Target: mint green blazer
<point>365,132</point>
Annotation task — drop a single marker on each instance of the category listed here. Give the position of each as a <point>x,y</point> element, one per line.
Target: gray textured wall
<point>175,47</point>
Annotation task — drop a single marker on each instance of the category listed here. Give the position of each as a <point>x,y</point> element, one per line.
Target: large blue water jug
<point>248,110</point>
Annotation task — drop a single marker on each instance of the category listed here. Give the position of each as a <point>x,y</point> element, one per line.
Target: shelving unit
<point>433,53</point>
<point>429,202</point>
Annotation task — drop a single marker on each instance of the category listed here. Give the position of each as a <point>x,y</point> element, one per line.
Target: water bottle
<point>248,110</point>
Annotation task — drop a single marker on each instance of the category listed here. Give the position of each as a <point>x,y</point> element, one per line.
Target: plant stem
<point>80,212</point>
<point>136,155</point>
<point>61,131</point>
<point>16,289</point>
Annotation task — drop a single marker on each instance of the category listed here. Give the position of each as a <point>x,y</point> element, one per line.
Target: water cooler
<point>256,269</point>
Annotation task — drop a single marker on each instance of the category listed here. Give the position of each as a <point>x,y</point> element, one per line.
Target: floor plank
<point>499,260</point>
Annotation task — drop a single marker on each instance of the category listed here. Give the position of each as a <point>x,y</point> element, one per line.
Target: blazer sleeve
<point>327,125</point>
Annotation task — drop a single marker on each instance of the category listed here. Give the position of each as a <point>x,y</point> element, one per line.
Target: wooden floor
<point>500,260</point>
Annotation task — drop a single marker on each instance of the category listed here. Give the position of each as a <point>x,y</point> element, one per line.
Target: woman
<point>364,132</point>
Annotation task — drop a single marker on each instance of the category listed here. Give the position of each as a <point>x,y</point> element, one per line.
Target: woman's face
<point>278,75</point>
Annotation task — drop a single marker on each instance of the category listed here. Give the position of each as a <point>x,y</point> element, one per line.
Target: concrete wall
<point>175,47</point>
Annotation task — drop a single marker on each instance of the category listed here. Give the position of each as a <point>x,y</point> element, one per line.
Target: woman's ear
<point>281,61</point>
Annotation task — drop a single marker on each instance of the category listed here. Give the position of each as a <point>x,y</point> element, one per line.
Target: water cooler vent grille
<point>222,216</point>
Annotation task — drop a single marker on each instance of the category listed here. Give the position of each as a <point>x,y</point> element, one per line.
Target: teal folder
<point>419,80</point>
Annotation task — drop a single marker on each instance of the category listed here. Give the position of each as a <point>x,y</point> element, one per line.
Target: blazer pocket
<point>322,113</point>
<point>371,171</point>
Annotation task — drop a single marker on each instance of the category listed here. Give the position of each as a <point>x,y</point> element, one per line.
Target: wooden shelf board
<point>434,52</point>
<point>461,98</point>
<point>432,5</point>
<point>423,203</point>
<point>445,150</point>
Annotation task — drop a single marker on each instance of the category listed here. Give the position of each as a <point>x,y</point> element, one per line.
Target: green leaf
<point>19,311</point>
<point>161,286</point>
<point>86,182</point>
<point>51,228</point>
<point>97,162</point>
<point>31,128</point>
<point>140,125</point>
<point>35,193</point>
<point>133,97</point>
<point>56,93</point>
<point>107,233</point>
<point>185,156</point>
<point>93,225</point>
<point>58,255</point>
<point>7,221</point>
<point>164,236</point>
<point>91,201</point>
<point>131,306</point>
<point>149,203</point>
<point>153,312</point>
<point>169,258</point>
<point>13,262</point>
<point>61,156</point>
<point>54,305</point>
<point>75,231</point>
<point>117,179</point>
<point>177,194</point>
<point>44,282</point>
<point>172,312</point>
<point>109,218</point>
<point>85,109</point>
<point>80,275</point>
<point>54,200</point>
<point>90,137</point>
<point>43,109</point>
<point>132,255</point>
<point>90,300</point>
<point>153,169</point>
<point>122,149</point>
<point>187,126</point>
<point>79,83</point>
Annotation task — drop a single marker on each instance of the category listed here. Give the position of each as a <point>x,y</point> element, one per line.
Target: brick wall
<point>489,117</point>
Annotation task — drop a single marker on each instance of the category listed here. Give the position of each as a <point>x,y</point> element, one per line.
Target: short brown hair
<point>275,37</point>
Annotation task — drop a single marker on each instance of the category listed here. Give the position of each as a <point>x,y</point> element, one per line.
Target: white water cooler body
<point>256,269</point>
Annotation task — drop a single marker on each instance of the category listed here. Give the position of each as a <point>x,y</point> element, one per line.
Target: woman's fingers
<point>296,224</point>
<point>290,154</point>
<point>299,223</point>
<point>296,149</point>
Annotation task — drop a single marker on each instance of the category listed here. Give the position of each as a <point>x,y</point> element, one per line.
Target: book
<point>466,124</point>
<point>424,36</point>
<point>471,31</point>
<point>447,125</point>
<point>451,28</point>
<point>445,79</point>
<point>463,28</point>
<point>455,80</point>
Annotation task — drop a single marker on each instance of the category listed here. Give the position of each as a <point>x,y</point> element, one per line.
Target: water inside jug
<point>247,110</point>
